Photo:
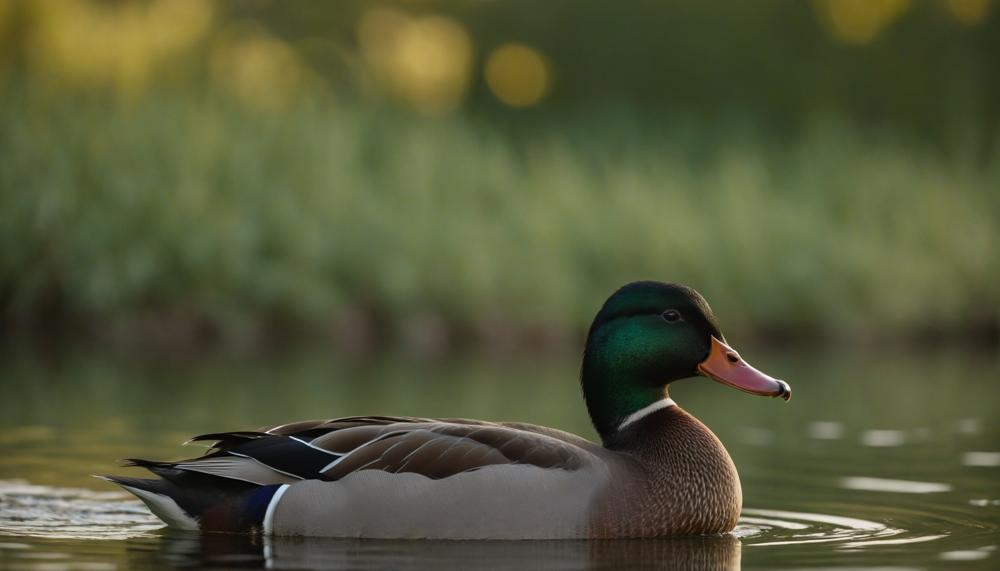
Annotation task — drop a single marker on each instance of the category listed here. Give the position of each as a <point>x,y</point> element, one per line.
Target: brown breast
<point>670,476</point>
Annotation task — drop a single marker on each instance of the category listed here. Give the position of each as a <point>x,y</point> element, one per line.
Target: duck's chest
<point>682,481</point>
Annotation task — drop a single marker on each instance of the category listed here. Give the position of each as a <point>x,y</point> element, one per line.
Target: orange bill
<point>726,366</point>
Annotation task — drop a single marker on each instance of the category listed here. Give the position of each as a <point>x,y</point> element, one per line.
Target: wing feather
<point>333,449</point>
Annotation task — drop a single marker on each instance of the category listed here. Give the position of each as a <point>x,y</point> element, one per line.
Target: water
<point>885,461</point>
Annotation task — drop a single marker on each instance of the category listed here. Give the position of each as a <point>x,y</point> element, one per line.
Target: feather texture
<point>332,449</point>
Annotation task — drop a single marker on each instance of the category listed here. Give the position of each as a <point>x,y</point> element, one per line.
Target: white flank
<point>165,508</point>
<point>269,514</point>
<point>646,411</point>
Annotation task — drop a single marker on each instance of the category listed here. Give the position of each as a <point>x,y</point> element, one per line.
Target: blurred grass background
<point>440,173</point>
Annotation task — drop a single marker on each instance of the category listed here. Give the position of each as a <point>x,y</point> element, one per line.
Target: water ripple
<point>887,485</point>
<point>71,513</point>
<point>778,527</point>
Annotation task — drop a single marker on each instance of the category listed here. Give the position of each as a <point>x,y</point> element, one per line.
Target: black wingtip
<point>141,463</point>
<point>166,470</point>
<point>152,485</point>
<point>238,435</point>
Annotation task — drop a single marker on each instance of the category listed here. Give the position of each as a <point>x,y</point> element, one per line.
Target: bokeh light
<point>260,70</point>
<point>120,45</point>
<point>426,61</point>
<point>858,22</point>
<point>518,75</point>
<point>969,12</point>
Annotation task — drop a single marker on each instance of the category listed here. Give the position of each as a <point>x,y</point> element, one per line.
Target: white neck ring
<point>646,411</point>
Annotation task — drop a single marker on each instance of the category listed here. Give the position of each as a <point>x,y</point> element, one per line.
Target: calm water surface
<point>880,461</point>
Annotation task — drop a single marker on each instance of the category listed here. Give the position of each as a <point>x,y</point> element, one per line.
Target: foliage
<point>193,205</point>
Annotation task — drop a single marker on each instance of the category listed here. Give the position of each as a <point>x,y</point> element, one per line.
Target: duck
<point>657,470</point>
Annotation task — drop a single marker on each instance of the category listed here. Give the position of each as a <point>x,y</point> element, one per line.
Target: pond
<point>882,460</point>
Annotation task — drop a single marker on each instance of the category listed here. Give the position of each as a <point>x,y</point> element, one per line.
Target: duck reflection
<point>248,551</point>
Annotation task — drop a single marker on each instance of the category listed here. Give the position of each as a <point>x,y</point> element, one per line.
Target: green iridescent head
<point>647,335</point>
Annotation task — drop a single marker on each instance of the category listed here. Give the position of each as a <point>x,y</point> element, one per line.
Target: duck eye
<point>671,315</point>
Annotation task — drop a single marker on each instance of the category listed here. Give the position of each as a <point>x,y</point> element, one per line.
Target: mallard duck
<point>658,471</point>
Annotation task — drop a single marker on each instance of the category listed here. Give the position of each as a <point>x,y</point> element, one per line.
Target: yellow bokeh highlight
<point>969,12</point>
<point>518,75</point>
<point>858,22</point>
<point>426,61</point>
<point>260,70</point>
<point>112,45</point>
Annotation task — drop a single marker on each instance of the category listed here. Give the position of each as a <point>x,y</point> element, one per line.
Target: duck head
<point>649,334</point>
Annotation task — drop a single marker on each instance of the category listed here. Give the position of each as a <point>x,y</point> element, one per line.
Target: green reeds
<point>197,208</point>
